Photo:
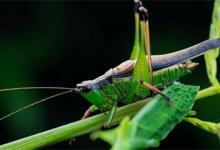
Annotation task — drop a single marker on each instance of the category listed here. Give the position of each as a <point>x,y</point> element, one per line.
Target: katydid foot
<point>105,126</point>
<point>154,89</point>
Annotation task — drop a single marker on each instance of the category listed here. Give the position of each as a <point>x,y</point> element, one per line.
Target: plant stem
<point>72,130</point>
<point>211,127</point>
<point>213,90</point>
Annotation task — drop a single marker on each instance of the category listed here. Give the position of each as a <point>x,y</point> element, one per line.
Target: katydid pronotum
<point>133,79</point>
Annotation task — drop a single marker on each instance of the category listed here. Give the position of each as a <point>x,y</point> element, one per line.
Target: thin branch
<point>72,130</point>
<point>211,91</point>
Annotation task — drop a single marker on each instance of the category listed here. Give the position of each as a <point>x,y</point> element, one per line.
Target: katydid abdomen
<point>161,61</point>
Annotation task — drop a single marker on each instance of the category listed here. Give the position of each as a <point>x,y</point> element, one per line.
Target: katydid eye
<point>86,90</point>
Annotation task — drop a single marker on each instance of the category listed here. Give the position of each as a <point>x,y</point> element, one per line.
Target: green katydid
<point>132,80</point>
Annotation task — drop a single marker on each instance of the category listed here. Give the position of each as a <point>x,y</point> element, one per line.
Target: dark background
<point>56,43</point>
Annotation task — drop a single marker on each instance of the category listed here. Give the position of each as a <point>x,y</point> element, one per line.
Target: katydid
<point>133,79</point>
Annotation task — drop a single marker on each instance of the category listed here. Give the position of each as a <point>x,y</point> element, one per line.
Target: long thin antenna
<point>40,101</point>
<point>35,88</point>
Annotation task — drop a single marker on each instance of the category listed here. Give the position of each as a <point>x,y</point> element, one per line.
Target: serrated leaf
<point>121,138</point>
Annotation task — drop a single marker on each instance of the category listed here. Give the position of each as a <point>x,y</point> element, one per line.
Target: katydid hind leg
<point>141,68</point>
<point>141,46</point>
<point>144,13</point>
<point>155,90</point>
<point>136,47</point>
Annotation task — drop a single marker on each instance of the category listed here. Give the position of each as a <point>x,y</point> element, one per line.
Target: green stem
<point>213,90</point>
<point>72,130</point>
<point>211,127</point>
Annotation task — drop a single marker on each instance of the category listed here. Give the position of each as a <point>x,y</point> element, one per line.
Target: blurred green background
<point>61,43</point>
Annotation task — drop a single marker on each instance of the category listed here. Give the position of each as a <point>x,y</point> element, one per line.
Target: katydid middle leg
<point>111,115</point>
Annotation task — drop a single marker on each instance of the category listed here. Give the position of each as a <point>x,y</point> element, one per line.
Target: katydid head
<point>91,92</point>
<point>84,86</point>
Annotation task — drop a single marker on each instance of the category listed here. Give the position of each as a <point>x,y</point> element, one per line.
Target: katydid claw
<point>105,126</point>
<point>168,100</point>
<point>141,81</point>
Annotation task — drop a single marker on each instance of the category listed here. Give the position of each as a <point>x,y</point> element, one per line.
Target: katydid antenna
<point>67,90</point>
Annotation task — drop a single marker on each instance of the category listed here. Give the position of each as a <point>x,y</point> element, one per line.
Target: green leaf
<point>210,91</point>
<point>121,137</point>
<point>211,127</point>
<point>210,57</point>
<point>154,121</point>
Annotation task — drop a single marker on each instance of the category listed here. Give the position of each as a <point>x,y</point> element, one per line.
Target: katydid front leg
<point>90,110</point>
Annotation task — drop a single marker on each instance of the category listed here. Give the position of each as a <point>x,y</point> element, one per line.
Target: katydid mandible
<point>133,79</point>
